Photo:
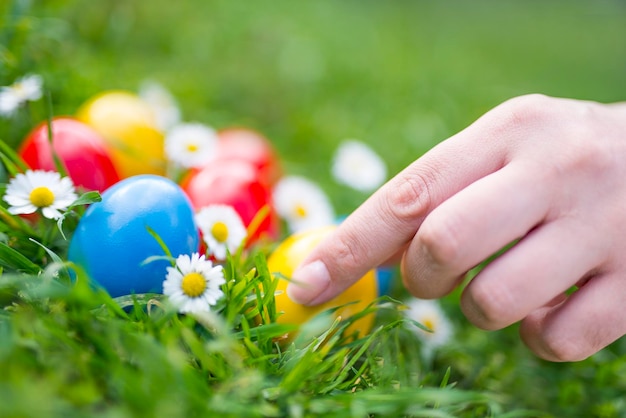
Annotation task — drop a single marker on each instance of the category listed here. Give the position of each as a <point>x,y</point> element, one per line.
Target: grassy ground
<point>400,75</point>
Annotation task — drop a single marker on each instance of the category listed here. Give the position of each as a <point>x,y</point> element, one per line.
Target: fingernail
<point>309,281</point>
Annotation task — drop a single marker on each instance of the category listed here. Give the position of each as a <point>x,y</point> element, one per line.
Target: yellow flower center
<point>429,323</point>
<point>194,284</point>
<point>192,147</point>
<point>41,197</point>
<point>220,231</point>
<point>300,211</point>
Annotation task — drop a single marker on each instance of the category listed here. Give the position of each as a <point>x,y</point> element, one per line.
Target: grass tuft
<point>68,349</point>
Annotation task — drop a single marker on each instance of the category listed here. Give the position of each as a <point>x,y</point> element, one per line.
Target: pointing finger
<point>389,219</point>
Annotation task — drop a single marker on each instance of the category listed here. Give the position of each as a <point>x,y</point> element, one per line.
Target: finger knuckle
<point>523,112</point>
<point>529,107</point>
<point>488,305</point>
<point>442,239</point>
<point>412,195</point>
<point>559,348</point>
<point>417,279</point>
<point>586,152</point>
<point>412,280</point>
<point>514,121</point>
<point>574,133</point>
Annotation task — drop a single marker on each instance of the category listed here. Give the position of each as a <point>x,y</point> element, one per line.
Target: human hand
<point>548,174</point>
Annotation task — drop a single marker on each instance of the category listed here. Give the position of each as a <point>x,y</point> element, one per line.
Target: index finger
<point>389,219</point>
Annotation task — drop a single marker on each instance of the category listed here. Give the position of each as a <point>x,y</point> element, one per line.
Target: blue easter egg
<point>112,240</point>
<point>384,280</point>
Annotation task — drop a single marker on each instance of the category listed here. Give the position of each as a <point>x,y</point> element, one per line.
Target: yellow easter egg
<point>129,127</point>
<point>284,260</point>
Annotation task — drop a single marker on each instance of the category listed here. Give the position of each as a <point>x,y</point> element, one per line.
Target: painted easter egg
<point>80,147</point>
<point>248,145</point>
<point>112,240</point>
<point>128,124</point>
<point>234,183</point>
<point>384,278</point>
<point>284,260</point>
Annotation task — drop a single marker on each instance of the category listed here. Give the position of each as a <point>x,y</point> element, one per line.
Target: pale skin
<point>544,173</point>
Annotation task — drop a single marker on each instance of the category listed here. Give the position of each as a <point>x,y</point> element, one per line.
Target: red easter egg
<point>80,147</point>
<point>234,183</point>
<point>248,145</point>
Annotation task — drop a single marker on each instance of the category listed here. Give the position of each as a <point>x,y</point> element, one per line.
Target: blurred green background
<point>400,75</point>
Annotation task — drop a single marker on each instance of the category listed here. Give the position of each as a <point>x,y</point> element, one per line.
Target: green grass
<point>69,350</point>
<point>399,75</point>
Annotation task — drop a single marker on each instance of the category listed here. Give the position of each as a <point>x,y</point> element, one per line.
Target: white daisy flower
<point>190,144</point>
<point>27,88</point>
<point>222,229</point>
<point>430,314</point>
<point>302,204</point>
<point>356,165</point>
<point>162,103</point>
<point>194,284</point>
<point>8,102</point>
<point>45,190</point>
